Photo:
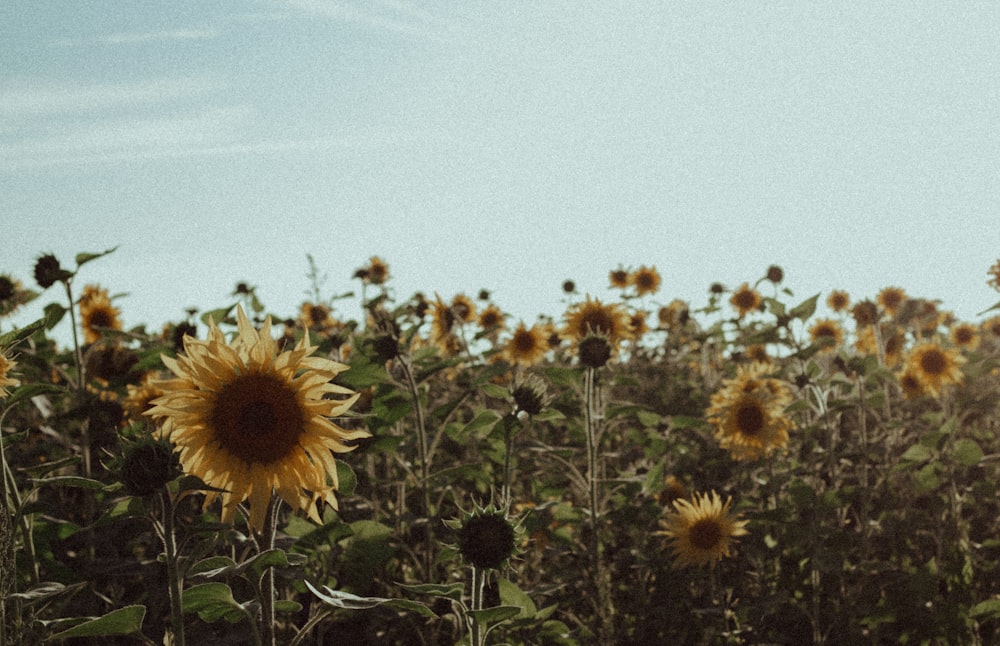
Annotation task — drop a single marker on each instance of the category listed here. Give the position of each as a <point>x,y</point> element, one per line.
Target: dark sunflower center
<point>524,342</point>
<point>750,419</point>
<point>257,418</point>
<point>100,318</point>
<point>745,300</point>
<point>705,534</point>
<point>933,362</point>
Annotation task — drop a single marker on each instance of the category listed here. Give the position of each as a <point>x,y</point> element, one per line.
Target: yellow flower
<point>251,420</point>
<point>527,346</point>
<point>6,366</point>
<point>964,335</point>
<point>993,275</point>
<point>748,414</point>
<point>637,324</point>
<point>701,530</point>
<point>463,308</point>
<point>12,295</point>
<point>674,314</point>
<point>619,277</point>
<point>645,279</point>
<point>891,298</point>
<point>826,333</point>
<point>911,384</point>
<point>838,300</point>
<point>140,398</point>
<point>97,313</point>
<point>377,271</point>
<point>935,366</point>
<point>491,318</point>
<point>745,299</point>
<point>594,317</point>
<point>316,317</point>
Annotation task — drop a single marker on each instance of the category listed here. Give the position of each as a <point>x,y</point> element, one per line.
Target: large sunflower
<point>702,530</point>
<point>748,414</point>
<point>252,421</point>
<point>935,366</point>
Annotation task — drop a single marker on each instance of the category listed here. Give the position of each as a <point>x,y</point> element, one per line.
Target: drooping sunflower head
<point>646,280</point>
<point>701,530</point>
<point>748,414</point>
<point>594,317</point>
<point>527,346</point>
<point>838,300</point>
<point>251,420</point>
<point>935,366</point>
<point>827,333</point>
<point>745,299</point>
<point>97,313</point>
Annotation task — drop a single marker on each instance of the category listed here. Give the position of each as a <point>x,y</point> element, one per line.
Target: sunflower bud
<point>486,540</point>
<point>530,395</point>
<point>147,466</point>
<point>775,274</point>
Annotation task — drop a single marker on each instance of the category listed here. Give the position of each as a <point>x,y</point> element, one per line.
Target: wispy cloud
<point>140,37</point>
<point>396,16</point>
<point>21,98</point>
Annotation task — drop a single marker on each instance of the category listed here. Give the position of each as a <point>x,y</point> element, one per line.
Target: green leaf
<point>28,391</point>
<point>213,601</point>
<point>917,453</point>
<point>452,591</point>
<point>495,391</point>
<point>967,452</point>
<point>348,601</point>
<point>989,609</point>
<point>124,621</point>
<point>805,309</point>
<point>217,315</point>
<point>363,373</point>
<point>70,481</point>
<point>83,258</point>
<point>496,614</point>
<point>511,595</point>
<point>287,605</point>
<point>484,421</point>
<point>347,480</point>
<point>54,312</point>
<point>990,309</point>
<point>211,566</point>
<point>548,415</point>
<point>46,590</point>
<point>17,335</point>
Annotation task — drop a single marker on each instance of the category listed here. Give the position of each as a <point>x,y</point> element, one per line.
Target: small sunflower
<point>139,398</point>
<point>637,324</point>
<point>748,414</point>
<point>646,280</point>
<point>97,313</point>
<point>527,346</point>
<point>12,295</point>
<point>619,277</point>
<point>594,317</point>
<point>993,276</point>
<point>251,421</point>
<point>377,271</point>
<point>316,317</point>
<point>992,327</point>
<point>463,308</point>
<point>838,300</point>
<point>865,313</point>
<point>935,366</point>
<point>491,318</point>
<point>745,299</point>
<point>443,322</point>
<point>964,335</point>
<point>701,530</point>
<point>827,333</point>
<point>891,298</point>
<point>757,353</point>
<point>6,367</point>
<point>912,387</point>
<point>674,314</point>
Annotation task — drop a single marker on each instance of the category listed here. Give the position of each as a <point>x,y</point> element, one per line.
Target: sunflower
<point>491,318</point>
<point>140,398</point>
<point>964,335</point>
<point>12,295</point>
<point>6,366</point>
<point>992,327</point>
<point>443,322</point>
<point>251,421</point>
<point>912,387</point>
<point>463,308</point>
<point>838,300</point>
<point>97,313</point>
<point>748,414</point>
<point>637,324</point>
<point>619,277</point>
<point>701,530</point>
<point>935,366</point>
<point>646,280</point>
<point>757,353</point>
<point>993,276</point>
<point>527,346</point>
<point>745,299</point>
<point>594,317</point>
<point>891,298</point>
<point>827,334</point>
<point>315,317</point>
<point>378,271</point>
<point>674,314</point>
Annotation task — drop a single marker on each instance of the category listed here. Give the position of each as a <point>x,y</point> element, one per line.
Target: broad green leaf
<point>346,600</point>
<point>217,315</point>
<point>484,421</point>
<point>124,621</point>
<point>496,614</point>
<point>17,335</point>
<point>27,391</point>
<point>805,309</point>
<point>347,480</point>
<point>54,312</point>
<point>83,258</point>
<point>967,452</point>
<point>989,609</point>
<point>495,391</point>
<point>448,591</point>
<point>511,595</point>
<point>213,601</point>
<point>917,453</point>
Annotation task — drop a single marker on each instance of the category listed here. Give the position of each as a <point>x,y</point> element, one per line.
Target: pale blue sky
<point>505,145</point>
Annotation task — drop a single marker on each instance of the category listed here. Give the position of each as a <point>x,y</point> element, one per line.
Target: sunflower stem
<point>267,591</point>
<point>174,579</point>
<point>605,611</point>
<point>424,459</point>
<point>478,635</point>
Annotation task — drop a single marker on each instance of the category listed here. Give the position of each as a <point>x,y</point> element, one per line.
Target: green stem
<point>174,578</point>
<point>424,459</point>
<point>267,590</point>
<point>478,584</point>
<point>591,414</point>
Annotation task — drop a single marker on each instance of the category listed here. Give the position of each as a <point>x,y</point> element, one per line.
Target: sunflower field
<point>631,470</point>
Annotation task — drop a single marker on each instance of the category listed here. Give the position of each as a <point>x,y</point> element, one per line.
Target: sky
<point>500,145</point>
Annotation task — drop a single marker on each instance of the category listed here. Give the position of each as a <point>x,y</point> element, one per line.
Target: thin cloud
<point>387,15</point>
<point>140,37</point>
<point>21,98</point>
